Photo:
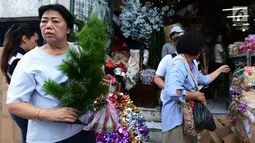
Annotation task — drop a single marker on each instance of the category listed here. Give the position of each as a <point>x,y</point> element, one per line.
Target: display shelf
<point>241,55</point>
<point>247,56</point>
<point>252,54</point>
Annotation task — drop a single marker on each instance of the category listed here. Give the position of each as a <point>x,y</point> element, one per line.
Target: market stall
<point>243,51</point>
<point>136,45</point>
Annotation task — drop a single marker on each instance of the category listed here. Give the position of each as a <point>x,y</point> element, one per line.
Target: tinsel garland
<point>132,129</point>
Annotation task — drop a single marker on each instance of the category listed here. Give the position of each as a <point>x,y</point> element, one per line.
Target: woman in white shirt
<point>26,97</point>
<point>219,55</point>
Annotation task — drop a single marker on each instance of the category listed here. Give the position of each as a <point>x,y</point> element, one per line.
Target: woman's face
<point>219,39</point>
<point>53,27</point>
<point>32,42</point>
<point>29,43</point>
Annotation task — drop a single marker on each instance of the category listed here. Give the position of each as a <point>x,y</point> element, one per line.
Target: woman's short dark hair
<point>61,10</point>
<point>12,42</point>
<point>191,43</point>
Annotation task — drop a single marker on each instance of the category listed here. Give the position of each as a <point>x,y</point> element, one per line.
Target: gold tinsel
<point>127,107</point>
<point>134,139</point>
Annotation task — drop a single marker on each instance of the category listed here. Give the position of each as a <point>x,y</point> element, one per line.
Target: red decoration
<point>118,43</point>
<point>121,65</point>
<point>250,73</point>
<point>109,64</point>
<point>118,100</point>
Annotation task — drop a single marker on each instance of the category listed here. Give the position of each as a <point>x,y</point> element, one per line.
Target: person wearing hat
<point>169,48</point>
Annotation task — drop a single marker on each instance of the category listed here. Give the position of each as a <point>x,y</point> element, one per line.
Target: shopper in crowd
<point>169,48</point>
<point>161,72</point>
<point>26,97</point>
<point>219,55</point>
<point>162,68</point>
<point>205,56</point>
<point>209,54</point>
<point>180,86</point>
<point>19,39</point>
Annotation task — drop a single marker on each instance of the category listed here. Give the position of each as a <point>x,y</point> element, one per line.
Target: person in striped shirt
<point>19,39</point>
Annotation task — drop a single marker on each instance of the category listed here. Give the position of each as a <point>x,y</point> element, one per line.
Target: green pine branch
<point>83,69</point>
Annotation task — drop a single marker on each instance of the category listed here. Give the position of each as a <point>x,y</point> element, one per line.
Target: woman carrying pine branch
<point>27,98</point>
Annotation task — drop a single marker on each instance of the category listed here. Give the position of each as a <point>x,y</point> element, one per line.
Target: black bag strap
<point>173,55</point>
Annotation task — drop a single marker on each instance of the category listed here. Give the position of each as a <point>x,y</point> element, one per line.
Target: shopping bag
<point>203,117</point>
<point>104,120</point>
<point>188,118</point>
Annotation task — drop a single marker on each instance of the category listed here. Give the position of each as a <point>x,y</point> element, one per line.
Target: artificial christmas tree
<point>83,67</point>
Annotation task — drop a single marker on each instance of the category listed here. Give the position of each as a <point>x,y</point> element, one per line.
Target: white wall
<point>25,8</point>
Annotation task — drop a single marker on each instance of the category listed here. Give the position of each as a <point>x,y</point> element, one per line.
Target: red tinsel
<point>121,65</point>
<point>118,100</point>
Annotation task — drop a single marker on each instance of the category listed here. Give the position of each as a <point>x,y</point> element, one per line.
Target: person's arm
<point>161,71</point>
<point>206,79</point>
<point>19,94</point>
<point>174,85</point>
<point>216,73</point>
<point>159,81</point>
<point>28,111</point>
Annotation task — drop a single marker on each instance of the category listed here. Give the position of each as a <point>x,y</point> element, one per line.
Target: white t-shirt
<point>162,68</point>
<point>27,85</point>
<point>218,49</point>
